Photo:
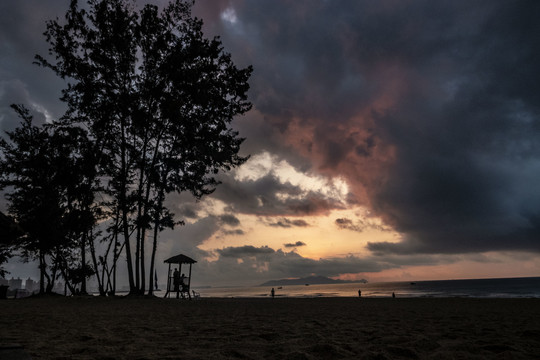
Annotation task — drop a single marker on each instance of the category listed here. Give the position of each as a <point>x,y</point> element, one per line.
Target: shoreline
<point>280,328</point>
<point>277,296</point>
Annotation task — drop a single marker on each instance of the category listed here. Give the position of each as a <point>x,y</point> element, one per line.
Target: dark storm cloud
<point>464,178</point>
<point>344,223</point>
<point>288,223</point>
<point>242,251</point>
<point>430,109</point>
<point>188,212</point>
<point>234,232</point>
<point>261,197</point>
<point>22,24</point>
<point>229,219</point>
<point>359,225</point>
<point>294,245</point>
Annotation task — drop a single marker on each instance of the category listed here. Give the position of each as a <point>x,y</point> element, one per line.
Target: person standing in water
<point>272,292</point>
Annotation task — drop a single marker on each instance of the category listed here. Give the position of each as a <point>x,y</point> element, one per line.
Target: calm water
<point>481,288</point>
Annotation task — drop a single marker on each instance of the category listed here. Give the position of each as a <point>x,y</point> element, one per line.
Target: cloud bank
<point>429,110</point>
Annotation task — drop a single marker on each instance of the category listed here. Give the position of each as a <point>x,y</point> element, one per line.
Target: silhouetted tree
<point>9,233</point>
<point>5,254</point>
<point>158,99</point>
<point>49,177</point>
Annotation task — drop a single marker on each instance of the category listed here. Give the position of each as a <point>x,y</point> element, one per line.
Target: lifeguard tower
<point>184,288</point>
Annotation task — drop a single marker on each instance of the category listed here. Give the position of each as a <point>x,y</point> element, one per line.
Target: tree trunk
<point>67,282</point>
<point>141,226</point>
<point>124,207</point>
<point>115,260</point>
<point>115,252</point>
<point>137,259</point>
<point>147,200</point>
<point>41,273</point>
<point>152,259</point>
<point>83,263</point>
<point>142,262</point>
<point>154,247</point>
<point>49,287</point>
<point>96,265</point>
<point>125,225</point>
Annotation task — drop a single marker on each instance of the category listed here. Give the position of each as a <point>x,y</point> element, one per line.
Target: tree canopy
<point>47,173</point>
<point>10,232</point>
<point>156,100</point>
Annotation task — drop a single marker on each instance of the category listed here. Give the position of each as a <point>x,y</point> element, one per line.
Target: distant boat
<point>307,284</point>
<point>280,287</point>
<point>413,283</point>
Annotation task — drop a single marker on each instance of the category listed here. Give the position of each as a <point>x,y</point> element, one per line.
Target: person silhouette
<point>183,285</point>
<point>359,293</point>
<point>176,282</point>
<point>272,292</point>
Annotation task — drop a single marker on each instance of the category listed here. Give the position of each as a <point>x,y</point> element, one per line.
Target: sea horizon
<point>512,287</point>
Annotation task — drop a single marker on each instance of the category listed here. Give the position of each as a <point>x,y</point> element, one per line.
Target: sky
<point>389,140</point>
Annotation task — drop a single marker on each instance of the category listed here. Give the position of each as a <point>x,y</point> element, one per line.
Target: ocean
<point>472,288</point>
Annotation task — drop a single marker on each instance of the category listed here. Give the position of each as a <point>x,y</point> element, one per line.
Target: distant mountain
<point>310,280</point>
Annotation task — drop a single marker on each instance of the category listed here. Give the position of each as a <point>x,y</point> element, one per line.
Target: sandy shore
<point>284,328</point>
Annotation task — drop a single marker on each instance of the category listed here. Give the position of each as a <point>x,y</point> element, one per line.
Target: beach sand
<point>281,328</point>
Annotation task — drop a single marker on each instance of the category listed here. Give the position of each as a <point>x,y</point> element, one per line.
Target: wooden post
<point>181,286</point>
<point>189,283</point>
<point>168,282</point>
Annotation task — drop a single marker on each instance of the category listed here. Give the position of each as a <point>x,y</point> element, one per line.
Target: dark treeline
<point>149,106</point>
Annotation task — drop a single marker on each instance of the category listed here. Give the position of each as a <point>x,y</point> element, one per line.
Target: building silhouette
<point>31,285</point>
<point>15,284</point>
